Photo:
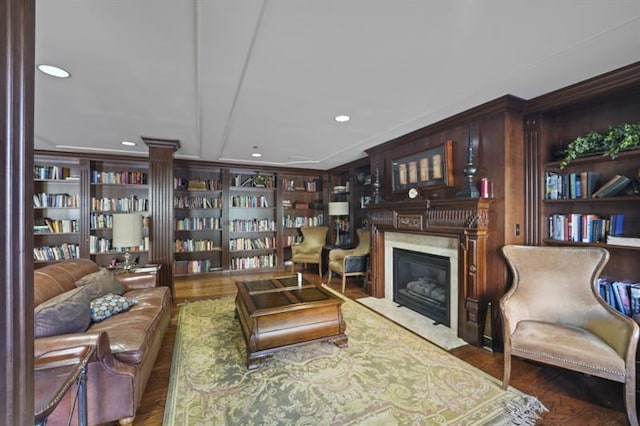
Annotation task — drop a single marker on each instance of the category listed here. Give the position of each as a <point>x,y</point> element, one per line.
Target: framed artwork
<point>430,168</point>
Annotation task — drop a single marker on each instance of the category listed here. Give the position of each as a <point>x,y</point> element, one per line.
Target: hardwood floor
<point>571,398</point>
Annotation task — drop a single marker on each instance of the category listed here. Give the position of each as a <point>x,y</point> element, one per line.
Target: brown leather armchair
<point>351,262</point>
<point>553,314</point>
<point>310,249</point>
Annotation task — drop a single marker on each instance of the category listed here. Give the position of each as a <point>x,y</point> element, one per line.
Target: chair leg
<point>344,281</point>
<point>630,401</point>
<point>507,369</point>
<point>320,269</point>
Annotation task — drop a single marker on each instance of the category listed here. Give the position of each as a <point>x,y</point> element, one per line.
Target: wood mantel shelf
<point>467,220</point>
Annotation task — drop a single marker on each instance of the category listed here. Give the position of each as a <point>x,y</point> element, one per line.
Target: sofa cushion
<point>100,283</point>
<point>131,333</point>
<point>65,313</point>
<point>110,304</point>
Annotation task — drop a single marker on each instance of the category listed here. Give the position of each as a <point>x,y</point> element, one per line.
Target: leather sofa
<point>127,343</point>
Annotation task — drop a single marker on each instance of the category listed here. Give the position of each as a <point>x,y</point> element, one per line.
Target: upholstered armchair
<point>553,314</point>
<point>352,262</point>
<point>310,249</point>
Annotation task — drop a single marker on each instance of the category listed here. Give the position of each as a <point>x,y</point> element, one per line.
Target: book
<point>620,240</point>
<point>612,187</point>
<point>621,291</point>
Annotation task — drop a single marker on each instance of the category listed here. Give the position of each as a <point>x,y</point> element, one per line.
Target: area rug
<point>387,376</point>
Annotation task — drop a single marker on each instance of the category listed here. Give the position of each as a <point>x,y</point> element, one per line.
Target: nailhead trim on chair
<point>568,361</point>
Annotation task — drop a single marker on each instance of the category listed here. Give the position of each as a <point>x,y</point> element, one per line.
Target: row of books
<point>119,178</point>
<point>44,199</point>
<point>289,221</point>
<point>62,252</point>
<point>189,245</point>
<point>197,224</point>
<point>583,227</point>
<point>182,184</point>
<point>290,240</point>
<point>249,201</point>
<point>582,185</point>
<point>181,202</point>
<point>55,226</point>
<point>570,185</point>
<point>293,185</point>
<point>254,262</point>
<point>103,245</point>
<point>623,296</point>
<point>183,267</point>
<point>123,204</point>
<point>252,225</point>
<point>53,173</point>
<point>238,244</point>
<point>105,221</point>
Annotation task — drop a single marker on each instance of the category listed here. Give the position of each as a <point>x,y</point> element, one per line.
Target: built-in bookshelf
<point>576,214</point>
<point>569,204</point>
<point>117,187</point>
<point>252,223</point>
<point>198,220</point>
<point>56,207</point>
<point>302,205</point>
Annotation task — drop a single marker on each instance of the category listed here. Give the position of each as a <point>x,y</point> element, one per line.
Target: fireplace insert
<point>421,282</point>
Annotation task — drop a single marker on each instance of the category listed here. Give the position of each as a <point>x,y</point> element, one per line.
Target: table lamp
<point>127,233</point>
<point>338,208</point>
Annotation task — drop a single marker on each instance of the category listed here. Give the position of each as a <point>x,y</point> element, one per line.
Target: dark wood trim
<point>16,300</point>
<point>496,106</point>
<point>172,144</point>
<point>604,85</point>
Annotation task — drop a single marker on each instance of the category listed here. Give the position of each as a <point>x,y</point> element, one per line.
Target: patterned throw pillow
<point>109,305</point>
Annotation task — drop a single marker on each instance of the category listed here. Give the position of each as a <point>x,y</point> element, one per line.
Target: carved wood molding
<point>467,220</point>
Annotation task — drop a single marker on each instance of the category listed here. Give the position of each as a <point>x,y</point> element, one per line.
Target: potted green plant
<point>609,144</point>
<point>259,180</point>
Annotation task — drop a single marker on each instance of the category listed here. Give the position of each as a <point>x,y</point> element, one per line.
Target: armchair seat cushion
<point>562,345</point>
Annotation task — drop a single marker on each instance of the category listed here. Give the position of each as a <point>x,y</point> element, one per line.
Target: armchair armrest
<point>354,263</point>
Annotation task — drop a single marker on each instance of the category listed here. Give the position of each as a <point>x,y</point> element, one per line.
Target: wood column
<point>161,206</point>
<point>17,17</point>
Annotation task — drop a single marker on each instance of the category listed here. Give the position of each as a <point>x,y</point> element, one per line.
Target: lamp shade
<point>127,229</point>
<point>339,208</point>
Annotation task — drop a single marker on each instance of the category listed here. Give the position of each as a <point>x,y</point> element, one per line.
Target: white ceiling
<point>224,75</point>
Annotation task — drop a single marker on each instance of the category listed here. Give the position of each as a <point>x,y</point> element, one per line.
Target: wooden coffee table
<point>277,314</point>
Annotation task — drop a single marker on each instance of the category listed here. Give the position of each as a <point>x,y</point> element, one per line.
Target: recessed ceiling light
<point>54,71</point>
<point>342,118</point>
<point>256,154</point>
<point>128,143</point>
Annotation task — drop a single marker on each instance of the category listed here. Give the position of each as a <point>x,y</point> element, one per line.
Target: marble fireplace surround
<point>430,244</point>
<point>456,228</point>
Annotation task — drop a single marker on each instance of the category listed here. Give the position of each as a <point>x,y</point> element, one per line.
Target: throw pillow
<point>109,305</point>
<point>100,283</point>
<point>65,313</point>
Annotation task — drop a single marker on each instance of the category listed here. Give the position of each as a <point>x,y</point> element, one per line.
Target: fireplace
<point>421,282</point>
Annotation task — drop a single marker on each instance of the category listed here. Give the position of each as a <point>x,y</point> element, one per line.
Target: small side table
<point>55,372</point>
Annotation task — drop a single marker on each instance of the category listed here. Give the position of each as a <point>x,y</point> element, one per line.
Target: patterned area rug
<point>387,376</point>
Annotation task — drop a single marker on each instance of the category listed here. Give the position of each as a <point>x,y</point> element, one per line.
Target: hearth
<point>421,282</point>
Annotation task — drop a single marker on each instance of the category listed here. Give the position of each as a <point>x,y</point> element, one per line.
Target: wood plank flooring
<point>572,398</point>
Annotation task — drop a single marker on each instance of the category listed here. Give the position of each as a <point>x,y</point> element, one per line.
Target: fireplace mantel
<point>464,219</point>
